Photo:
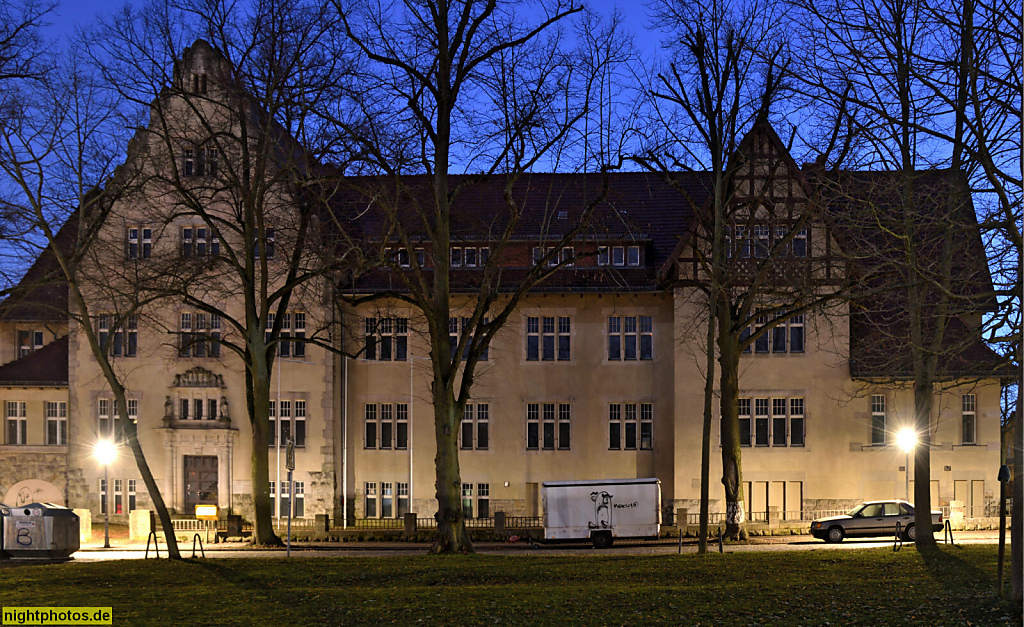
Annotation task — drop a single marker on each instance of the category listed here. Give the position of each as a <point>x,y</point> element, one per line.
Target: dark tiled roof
<point>636,208</point>
<point>47,366</point>
<point>861,206</point>
<point>42,293</point>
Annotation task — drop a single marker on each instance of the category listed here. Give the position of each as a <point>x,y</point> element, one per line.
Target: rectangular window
<point>483,500</point>
<point>466,435</point>
<point>799,244</point>
<point>618,256</point>
<point>878,436</point>
<point>602,255</point>
<point>387,505</point>
<point>272,414</point>
<point>470,257</point>
<point>564,414</point>
<point>761,421</point>
<point>646,426</point>
<point>761,343</point>
<point>564,331</point>
<point>118,496</point>
<point>533,426</point>
<point>548,426</point>
<point>370,495</point>
<point>796,334</point>
<point>268,243</point>
<point>615,426</point>
<point>796,421</point>
<point>299,424</point>
<point>299,494</point>
<point>568,256</point>
<point>103,496</point>
<point>29,341</point>
<point>387,339</point>
<point>633,256</point>
<point>744,419</point>
<point>761,241</point>
<point>778,422</point>
<point>532,338</point>
<point>402,490</point>
<point>401,426</point>
<point>387,424</point>
<point>742,242</point>
<point>17,423</point>
<point>132,504</point>
<point>456,257</point>
<point>628,341</point>
<point>467,500</point>
<point>56,422</point>
<point>140,243</point>
<point>969,422</point>
<point>371,426</point>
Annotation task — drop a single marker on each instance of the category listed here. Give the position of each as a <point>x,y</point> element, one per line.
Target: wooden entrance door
<point>200,481</point>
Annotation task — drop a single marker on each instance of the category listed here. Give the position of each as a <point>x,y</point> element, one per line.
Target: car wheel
<point>911,533</point>
<point>835,534</point>
<point>602,540</point>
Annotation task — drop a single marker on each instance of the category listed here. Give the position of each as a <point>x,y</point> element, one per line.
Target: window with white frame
<point>197,405</point>
<point>630,426</point>
<point>387,339</point>
<point>456,257</point>
<point>567,256</point>
<point>548,426</point>
<point>761,421</point>
<point>287,420</point>
<point>387,499</point>
<point>632,255</point>
<point>548,338</point>
<point>199,334</point>
<point>798,246</point>
<point>478,504</point>
<point>118,341</point>
<point>386,426</point>
<point>603,258</point>
<point>29,341</point>
<point>771,421</point>
<point>17,423</point>
<point>132,501</point>
<point>969,423</point>
<point>140,242</point>
<point>618,255</point>
<point>108,418</point>
<point>475,432</point>
<point>293,335</point>
<point>56,422</point>
<point>785,337</point>
<point>402,490</point>
<point>268,242</point>
<point>630,338</point>
<point>743,405</point>
<point>878,419</point>
<point>299,494</point>
<point>199,241</point>
<point>103,495</point>
<point>284,500</point>
<point>370,499</point>
<point>118,496</point>
<point>457,326</point>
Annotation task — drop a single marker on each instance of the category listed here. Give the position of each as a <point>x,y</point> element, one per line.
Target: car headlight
<point>815,525</point>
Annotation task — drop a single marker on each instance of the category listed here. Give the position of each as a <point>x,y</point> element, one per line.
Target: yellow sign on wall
<point>206,512</point>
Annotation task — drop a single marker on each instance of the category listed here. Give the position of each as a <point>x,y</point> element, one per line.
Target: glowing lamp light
<point>105,452</point>
<point>906,439</point>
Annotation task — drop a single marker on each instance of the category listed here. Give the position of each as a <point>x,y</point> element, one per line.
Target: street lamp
<point>906,439</point>
<point>106,452</point>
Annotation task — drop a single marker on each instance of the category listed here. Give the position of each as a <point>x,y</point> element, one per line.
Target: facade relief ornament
<point>198,377</point>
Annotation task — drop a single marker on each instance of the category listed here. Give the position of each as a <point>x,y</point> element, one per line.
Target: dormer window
<point>198,82</point>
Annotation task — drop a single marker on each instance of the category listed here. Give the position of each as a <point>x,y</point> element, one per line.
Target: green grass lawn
<point>869,587</point>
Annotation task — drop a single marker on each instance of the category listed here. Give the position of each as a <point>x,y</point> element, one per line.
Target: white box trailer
<point>601,510</point>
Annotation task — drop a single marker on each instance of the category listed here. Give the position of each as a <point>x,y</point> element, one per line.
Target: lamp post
<point>105,452</point>
<point>906,439</point>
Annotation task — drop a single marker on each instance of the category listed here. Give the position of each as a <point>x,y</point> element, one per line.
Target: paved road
<point>662,547</point>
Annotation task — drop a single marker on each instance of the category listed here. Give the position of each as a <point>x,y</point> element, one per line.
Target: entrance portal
<point>200,481</point>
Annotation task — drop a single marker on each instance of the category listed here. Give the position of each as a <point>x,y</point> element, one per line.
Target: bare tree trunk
<point>923,398</point>
<point>259,393</point>
<point>732,478</point>
<point>705,442</point>
<point>451,536</point>
<point>1017,515</point>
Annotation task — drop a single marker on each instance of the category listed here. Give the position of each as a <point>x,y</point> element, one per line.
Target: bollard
<point>680,541</point>
<point>897,541</point>
<point>721,540</point>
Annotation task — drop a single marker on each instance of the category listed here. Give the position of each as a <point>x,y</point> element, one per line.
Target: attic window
<point>563,215</point>
<point>199,83</point>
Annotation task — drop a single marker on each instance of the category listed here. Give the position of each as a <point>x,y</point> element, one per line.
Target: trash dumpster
<point>39,530</point>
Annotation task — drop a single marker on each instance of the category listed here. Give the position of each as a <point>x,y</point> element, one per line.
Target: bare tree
<point>57,157</point>
<point>728,72</point>
<point>233,143</point>
<point>470,86</point>
<point>876,69</point>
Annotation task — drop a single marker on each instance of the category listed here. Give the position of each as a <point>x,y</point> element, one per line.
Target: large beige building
<point>598,374</point>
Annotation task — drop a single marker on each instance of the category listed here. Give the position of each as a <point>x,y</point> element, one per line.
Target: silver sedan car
<point>873,518</point>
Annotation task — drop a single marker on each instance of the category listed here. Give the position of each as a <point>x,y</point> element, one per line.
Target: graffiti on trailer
<point>602,510</point>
